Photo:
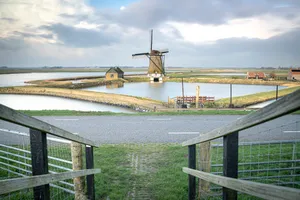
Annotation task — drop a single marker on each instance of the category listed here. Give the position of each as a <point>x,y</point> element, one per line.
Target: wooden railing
<point>39,157</point>
<point>231,185</point>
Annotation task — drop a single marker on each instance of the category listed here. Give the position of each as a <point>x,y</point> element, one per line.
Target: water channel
<point>38,102</point>
<point>161,91</point>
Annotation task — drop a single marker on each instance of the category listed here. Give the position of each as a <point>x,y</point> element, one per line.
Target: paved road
<point>159,129</point>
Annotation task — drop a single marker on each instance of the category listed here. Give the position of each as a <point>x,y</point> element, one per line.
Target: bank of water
<point>7,80</point>
<point>161,91</point>
<point>37,102</point>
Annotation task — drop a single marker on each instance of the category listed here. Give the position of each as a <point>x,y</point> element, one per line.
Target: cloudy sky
<point>198,33</point>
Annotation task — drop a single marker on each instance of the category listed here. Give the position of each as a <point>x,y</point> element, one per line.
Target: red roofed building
<point>294,74</point>
<point>256,75</point>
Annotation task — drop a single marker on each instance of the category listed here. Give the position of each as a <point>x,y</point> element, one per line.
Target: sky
<point>198,33</point>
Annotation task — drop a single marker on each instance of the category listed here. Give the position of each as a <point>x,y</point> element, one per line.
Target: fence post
<point>230,162</point>
<point>90,178</point>
<point>76,151</point>
<point>39,162</point>
<point>204,165</point>
<point>192,165</point>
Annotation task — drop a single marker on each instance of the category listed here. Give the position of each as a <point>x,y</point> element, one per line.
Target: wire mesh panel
<point>15,161</point>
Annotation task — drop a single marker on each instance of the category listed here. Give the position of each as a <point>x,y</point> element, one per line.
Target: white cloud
<point>122,8</point>
<point>87,25</point>
<point>262,27</point>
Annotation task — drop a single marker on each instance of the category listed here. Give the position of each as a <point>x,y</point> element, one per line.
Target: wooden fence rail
<point>229,181</point>
<point>41,179</point>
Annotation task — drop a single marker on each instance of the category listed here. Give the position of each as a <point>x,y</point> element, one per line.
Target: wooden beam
<point>10,115</point>
<point>204,165</point>
<point>77,164</point>
<point>192,165</point>
<point>230,162</point>
<point>285,105</point>
<point>39,162</point>
<point>12,185</point>
<point>90,178</point>
<point>265,191</point>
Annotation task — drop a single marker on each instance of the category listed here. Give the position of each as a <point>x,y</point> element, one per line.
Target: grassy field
<point>133,102</point>
<point>251,99</point>
<point>92,113</point>
<point>154,171</point>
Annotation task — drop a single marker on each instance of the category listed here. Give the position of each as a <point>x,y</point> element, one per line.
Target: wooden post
<point>39,162</point>
<point>90,178</point>
<point>230,104</point>
<point>192,165</point>
<point>276,92</point>
<point>230,162</point>
<point>76,151</point>
<point>204,165</point>
<point>197,95</point>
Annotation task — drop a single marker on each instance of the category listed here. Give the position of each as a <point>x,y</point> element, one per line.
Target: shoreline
<point>136,103</point>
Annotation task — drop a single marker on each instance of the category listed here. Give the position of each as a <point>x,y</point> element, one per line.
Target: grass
<point>103,113</point>
<point>154,171</point>
<point>99,113</point>
<point>251,99</point>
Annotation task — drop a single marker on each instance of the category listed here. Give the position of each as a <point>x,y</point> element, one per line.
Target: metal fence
<point>43,162</point>
<point>246,169</point>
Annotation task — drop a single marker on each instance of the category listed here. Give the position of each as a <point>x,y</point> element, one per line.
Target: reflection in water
<point>36,102</point>
<point>19,79</point>
<point>115,85</point>
<point>161,91</point>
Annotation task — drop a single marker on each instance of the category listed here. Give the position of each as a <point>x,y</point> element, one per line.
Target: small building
<point>256,75</point>
<point>114,73</point>
<point>294,74</point>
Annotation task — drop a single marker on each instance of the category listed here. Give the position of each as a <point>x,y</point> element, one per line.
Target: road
<point>156,129</point>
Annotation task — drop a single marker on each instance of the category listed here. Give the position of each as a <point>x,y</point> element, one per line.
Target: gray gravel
<point>157,129</point>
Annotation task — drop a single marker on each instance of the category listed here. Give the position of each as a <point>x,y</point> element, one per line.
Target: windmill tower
<point>156,70</point>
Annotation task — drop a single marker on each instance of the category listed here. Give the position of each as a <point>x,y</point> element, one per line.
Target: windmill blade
<point>140,55</point>
<point>164,50</point>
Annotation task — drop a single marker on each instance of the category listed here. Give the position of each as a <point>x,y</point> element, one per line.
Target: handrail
<point>265,191</point>
<point>16,117</point>
<point>285,105</point>
<point>12,185</point>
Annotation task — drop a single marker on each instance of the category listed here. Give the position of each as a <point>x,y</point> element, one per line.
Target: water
<point>19,79</point>
<point>161,91</point>
<point>263,104</point>
<point>36,102</point>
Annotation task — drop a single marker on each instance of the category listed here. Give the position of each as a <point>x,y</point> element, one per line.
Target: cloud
<point>12,44</point>
<point>80,37</point>
<point>151,13</point>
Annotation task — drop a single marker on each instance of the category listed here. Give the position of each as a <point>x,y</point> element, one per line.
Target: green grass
<point>154,171</point>
<point>100,113</point>
<point>251,99</point>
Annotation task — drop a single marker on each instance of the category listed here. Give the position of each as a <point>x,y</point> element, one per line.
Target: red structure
<point>192,99</point>
<point>256,75</point>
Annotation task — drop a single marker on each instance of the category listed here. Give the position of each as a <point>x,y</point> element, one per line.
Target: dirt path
<point>137,103</point>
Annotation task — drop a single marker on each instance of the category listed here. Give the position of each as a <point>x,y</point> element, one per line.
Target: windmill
<point>156,70</point>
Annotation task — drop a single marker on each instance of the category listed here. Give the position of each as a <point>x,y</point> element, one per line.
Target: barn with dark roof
<point>114,73</point>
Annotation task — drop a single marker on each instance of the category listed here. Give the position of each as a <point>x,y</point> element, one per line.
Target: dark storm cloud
<point>243,52</point>
<point>82,38</point>
<point>150,13</point>
<point>8,19</point>
<point>31,35</point>
<point>11,44</point>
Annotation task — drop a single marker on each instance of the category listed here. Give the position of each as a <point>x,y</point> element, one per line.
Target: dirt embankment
<point>234,81</point>
<point>137,103</point>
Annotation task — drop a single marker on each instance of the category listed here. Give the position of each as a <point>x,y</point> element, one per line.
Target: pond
<point>161,91</point>
<point>19,79</point>
<point>37,102</point>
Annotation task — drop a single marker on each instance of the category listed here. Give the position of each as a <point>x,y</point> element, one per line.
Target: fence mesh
<point>15,161</point>
<point>267,154</point>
